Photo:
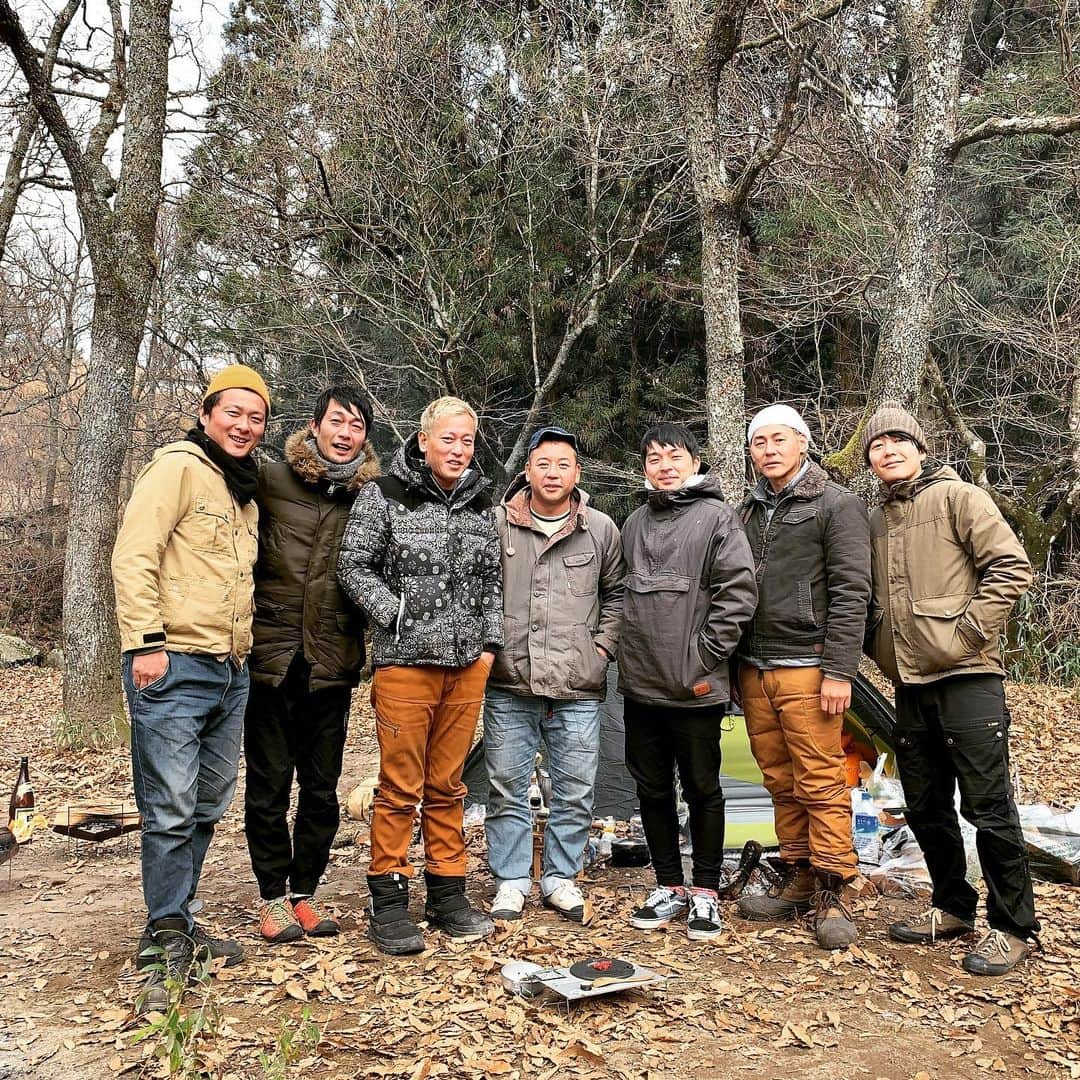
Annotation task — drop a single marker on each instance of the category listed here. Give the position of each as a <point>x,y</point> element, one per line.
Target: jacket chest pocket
<point>582,573</point>
<point>802,518</point>
<point>210,527</point>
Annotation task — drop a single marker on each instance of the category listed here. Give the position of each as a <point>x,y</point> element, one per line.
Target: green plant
<point>294,1040</point>
<point>180,1033</point>
<point>1044,635</point>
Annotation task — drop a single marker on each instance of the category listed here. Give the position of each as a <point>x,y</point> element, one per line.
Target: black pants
<point>659,739</point>
<point>951,732</point>
<point>287,729</point>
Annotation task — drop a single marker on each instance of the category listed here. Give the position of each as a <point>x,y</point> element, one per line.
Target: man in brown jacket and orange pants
<point>947,570</point>
<point>799,655</point>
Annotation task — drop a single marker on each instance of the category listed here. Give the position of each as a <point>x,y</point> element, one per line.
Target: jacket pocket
<point>805,596</point>
<point>936,621</point>
<point>209,527</point>
<point>582,573</point>
<point>658,619</point>
<point>588,672</point>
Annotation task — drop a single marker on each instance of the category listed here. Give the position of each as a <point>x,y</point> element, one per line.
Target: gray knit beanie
<point>892,417</point>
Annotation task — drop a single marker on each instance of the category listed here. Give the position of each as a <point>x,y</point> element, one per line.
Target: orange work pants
<point>425,719</point>
<point>797,747</point>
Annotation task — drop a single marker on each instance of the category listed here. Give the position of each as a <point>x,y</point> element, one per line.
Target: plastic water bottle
<point>864,821</point>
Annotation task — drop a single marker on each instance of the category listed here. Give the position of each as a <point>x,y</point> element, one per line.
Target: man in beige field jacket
<point>182,570</point>
<point>946,571</point>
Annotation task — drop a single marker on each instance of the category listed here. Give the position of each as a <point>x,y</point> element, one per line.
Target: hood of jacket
<point>811,485</point>
<point>409,466</point>
<point>706,488</point>
<point>933,472</point>
<point>303,461</point>
<point>517,500</point>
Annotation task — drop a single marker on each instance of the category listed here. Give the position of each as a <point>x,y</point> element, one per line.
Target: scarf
<point>241,474</point>
<point>337,472</point>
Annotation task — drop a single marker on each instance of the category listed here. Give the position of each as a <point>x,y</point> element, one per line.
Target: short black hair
<point>207,406</point>
<point>668,434</point>
<point>350,396</point>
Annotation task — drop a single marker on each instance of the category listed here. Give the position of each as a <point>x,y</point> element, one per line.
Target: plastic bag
<point>1052,837</point>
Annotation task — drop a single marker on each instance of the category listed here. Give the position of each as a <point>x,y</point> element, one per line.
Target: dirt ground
<point>761,1001</point>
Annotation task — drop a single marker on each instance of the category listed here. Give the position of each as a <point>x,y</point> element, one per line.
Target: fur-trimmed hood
<point>305,463</point>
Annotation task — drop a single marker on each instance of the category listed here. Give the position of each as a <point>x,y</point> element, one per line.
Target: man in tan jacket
<point>182,568</point>
<point>946,571</point>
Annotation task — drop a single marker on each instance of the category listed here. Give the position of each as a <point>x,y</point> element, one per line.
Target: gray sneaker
<point>661,906</point>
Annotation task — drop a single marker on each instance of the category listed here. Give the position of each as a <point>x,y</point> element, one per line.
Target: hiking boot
<point>932,925</point>
<point>313,920</point>
<point>389,924</point>
<point>790,895</point>
<point>703,918</point>
<point>662,905</point>
<point>449,910</point>
<point>567,900</point>
<point>997,954</point>
<point>832,919</point>
<point>208,947</point>
<point>171,952</point>
<point>508,902</point>
<point>277,923</point>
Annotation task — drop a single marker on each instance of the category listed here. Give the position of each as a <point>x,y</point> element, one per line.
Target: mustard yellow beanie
<point>239,377</point>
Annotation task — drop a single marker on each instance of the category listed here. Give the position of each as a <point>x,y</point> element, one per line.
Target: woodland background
<point>596,213</point>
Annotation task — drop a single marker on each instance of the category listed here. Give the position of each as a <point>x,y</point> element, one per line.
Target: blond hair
<point>446,406</point>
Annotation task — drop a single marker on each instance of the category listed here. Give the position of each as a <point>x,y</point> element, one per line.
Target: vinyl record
<point>601,968</point>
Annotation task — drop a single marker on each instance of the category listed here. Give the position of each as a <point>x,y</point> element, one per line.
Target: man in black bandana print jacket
<point>421,556</point>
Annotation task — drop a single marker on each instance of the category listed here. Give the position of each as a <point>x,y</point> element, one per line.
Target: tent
<point>869,722</point>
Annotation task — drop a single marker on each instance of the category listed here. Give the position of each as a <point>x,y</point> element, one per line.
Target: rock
<point>54,658</point>
<point>14,650</point>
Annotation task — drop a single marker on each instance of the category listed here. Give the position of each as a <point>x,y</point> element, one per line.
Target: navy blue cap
<point>552,434</point>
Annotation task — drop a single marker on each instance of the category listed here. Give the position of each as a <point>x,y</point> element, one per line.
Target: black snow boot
<point>448,909</point>
<point>389,924</point>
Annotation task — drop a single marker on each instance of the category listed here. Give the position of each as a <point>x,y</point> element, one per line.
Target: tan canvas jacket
<point>947,570</point>
<point>183,560</point>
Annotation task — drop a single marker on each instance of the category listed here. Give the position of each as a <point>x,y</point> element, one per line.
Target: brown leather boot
<point>791,895</point>
<point>832,918</point>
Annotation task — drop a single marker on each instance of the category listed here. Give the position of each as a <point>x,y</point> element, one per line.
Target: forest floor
<point>760,1001</point>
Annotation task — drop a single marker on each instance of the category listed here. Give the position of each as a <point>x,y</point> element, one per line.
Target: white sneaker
<point>567,900</point>
<point>508,902</point>
<point>703,918</point>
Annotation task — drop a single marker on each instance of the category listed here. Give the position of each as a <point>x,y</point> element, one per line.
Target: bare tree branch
<point>998,126</point>
<point>826,11</point>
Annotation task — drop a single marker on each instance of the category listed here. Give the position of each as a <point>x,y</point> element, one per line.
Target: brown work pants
<point>425,722</point>
<point>797,747</point>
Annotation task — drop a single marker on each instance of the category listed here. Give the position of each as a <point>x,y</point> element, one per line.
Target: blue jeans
<point>513,727</point>
<point>185,748</point>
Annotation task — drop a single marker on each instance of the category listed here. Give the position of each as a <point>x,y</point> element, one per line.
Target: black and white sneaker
<point>660,907</point>
<point>703,920</point>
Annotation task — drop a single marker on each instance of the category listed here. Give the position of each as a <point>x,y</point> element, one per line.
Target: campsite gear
<point>790,894</point>
<point>601,967</point>
<point>508,903</point>
<point>703,917</point>
<point>997,954</point>
<point>519,977</point>
<point>833,921</point>
<point>629,851</point>
<point>315,921</point>
<point>278,923</point>
<point>448,909</point>
<point>170,958</point>
<point>799,749</point>
<point>932,925</point>
<point>568,901</point>
<point>97,822</point>
<point>865,826</point>
<point>565,983</point>
<point>390,926</point>
<point>1052,839</point>
<point>749,858</point>
<point>660,907</point>
<point>951,733</point>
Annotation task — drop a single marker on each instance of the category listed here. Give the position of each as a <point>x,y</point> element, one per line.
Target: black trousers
<point>660,739</point>
<point>956,732</point>
<point>289,729</point>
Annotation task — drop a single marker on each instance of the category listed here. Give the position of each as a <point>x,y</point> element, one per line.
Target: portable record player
<point>584,979</point>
